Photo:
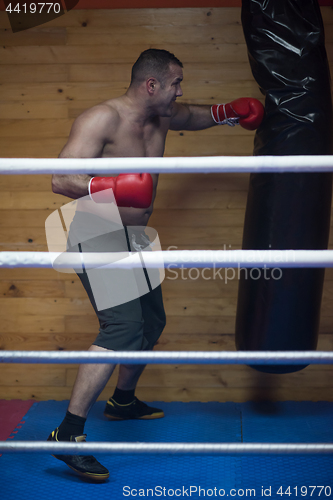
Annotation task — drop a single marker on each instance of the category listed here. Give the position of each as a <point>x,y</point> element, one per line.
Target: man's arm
<point>88,136</point>
<point>86,140</point>
<point>191,117</point>
<point>246,111</point>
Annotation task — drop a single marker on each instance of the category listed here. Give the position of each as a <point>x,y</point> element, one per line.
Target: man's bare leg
<point>128,376</point>
<point>90,381</point>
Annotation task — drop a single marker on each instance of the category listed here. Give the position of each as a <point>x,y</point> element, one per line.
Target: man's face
<point>169,89</point>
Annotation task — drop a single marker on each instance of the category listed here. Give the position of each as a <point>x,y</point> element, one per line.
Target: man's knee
<point>125,336</point>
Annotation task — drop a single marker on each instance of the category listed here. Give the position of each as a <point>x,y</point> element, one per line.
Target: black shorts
<point>130,325</point>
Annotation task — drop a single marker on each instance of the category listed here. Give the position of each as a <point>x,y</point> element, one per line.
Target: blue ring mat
<point>42,477</point>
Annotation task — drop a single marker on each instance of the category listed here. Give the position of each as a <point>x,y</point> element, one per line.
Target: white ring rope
<point>173,259</point>
<point>170,357</point>
<point>175,448</point>
<point>199,164</point>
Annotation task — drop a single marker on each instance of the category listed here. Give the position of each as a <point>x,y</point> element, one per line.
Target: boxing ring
<point>246,258</point>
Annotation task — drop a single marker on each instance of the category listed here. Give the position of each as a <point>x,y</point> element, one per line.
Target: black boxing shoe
<point>134,410</point>
<point>85,465</point>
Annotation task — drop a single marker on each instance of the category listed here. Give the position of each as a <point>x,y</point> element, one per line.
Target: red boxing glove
<point>246,111</point>
<point>130,190</point>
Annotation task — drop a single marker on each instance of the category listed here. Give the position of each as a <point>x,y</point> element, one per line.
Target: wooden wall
<point>49,75</point>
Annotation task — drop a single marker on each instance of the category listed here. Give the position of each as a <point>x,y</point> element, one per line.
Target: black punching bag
<point>286,48</point>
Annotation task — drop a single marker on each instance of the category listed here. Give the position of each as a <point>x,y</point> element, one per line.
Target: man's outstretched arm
<point>246,111</point>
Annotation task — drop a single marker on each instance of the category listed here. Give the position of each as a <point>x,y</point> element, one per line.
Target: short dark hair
<point>153,62</point>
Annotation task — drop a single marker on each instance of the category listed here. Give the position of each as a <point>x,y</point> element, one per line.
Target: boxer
<point>132,125</point>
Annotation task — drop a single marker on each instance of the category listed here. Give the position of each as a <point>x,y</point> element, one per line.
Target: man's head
<point>153,63</point>
<point>158,75</point>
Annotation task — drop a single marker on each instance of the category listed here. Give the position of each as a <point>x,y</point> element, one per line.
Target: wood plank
<point>195,218</point>
<point>223,275</point>
<point>207,339</point>
<point>203,341</point>
<point>178,394</point>
<point>326,323</point>
<point>219,92</point>
<point>202,182</point>
<point>50,342</point>
<point>25,183</point>
<point>34,36</point>
<point>25,218</point>
<point>174,236</point>
<point>28,327</point>
<point>46,307</point>
<point>329,274</point>
<point>83,324</point>
<point>105,18</point>
<point>32,110</point>
<point>35,73</point>
<point>217,132</point>
<point>42,128</point>
<point>64,91</point>
<point>4,21</point>
<point>31,200</point>
<point>23,238</point>
<point>33,274</point>
<point>36,393</point>
<point>196,145</point>
<point>199,307</point>
<point>179,200</point>
<point>328,290</point>
<point>31,288</point>
<point>202,287</point>
<point>209,34</point>
<point>40,376</point>
<point>32,148</point>
<point>216,53</point>
<point>329,51</point>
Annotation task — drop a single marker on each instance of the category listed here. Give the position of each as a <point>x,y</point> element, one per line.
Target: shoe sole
<point>145,417</point>
<point>86,475</point>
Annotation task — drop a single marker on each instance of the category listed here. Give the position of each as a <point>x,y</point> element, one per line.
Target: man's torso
<point>130,139</point>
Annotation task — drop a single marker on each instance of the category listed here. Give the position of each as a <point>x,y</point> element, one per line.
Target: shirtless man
<point>133,125</point>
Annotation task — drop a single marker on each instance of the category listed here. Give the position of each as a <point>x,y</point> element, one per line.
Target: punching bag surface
<point>280,309</point>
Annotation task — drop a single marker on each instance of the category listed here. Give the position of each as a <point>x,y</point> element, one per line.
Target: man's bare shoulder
<point>103,115</point>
